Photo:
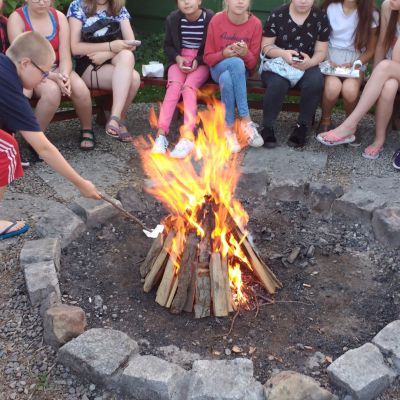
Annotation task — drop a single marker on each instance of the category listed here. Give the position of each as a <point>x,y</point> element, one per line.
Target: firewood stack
<point>198,278</point>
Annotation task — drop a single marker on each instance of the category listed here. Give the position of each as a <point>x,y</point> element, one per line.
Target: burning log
<point>197,278</point>
<point>185,274</point>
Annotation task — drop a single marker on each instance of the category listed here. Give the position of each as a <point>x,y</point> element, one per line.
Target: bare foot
<point>5,224</point>
<point>342,131</point>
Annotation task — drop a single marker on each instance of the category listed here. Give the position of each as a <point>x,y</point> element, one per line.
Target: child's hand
<point>288,56</point>
<point>64,84</point>
<point>119,45</point>
<point>304,64</point>
<point>182,63</point>
<point>88,190</point>
<point>229,51</point>
<point>346,65</point>
<point>240,48</point>
<point>99,57</point>
<point>195,64</point>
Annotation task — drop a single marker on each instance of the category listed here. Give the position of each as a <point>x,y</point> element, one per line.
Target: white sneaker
<point>232,141</point>
<point>160,145</point>
<point>183,148</point>
<point>254,139</point>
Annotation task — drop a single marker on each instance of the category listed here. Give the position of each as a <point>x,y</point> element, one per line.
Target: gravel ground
<point>27,367</point>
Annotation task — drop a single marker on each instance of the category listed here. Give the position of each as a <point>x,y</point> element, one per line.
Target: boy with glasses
<point>27,63</point>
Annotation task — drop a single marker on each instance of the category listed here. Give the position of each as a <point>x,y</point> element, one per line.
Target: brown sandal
<point>112,130</point>
<point>124,136</point>
<point>325,125</point>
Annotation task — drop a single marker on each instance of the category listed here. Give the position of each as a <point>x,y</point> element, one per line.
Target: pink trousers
<point>185,85</point>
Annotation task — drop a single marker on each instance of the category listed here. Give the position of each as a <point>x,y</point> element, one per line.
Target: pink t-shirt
<point>222,32</point>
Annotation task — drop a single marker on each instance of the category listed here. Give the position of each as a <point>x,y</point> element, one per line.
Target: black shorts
<point>82,63</point>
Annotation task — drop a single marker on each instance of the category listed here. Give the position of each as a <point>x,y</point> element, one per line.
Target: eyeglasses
<point>45,74</point>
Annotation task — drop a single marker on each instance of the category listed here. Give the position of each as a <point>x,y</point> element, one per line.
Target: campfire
<point>198,261</point>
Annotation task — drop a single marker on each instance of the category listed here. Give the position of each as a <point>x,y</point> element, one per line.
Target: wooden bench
<point>254,86</point>
<point>102,102</point>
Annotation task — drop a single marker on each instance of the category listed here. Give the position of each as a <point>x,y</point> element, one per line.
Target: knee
<point>79,88</point>
<point>51,94</point>
<point>390,89</point>
<point>238,64</point>
<point>315,84</point>
<point>126,57</point>
<point>332,87</point>
<point>350,94</point>
<point>135,79</point>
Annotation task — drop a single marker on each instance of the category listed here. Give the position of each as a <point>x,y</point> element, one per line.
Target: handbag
<point>103,30</point>
<point>154,69</point>
<point>279,66</point>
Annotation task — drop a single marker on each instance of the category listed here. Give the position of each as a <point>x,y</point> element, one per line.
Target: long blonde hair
<point>115,6</point>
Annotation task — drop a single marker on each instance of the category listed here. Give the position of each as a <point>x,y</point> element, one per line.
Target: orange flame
<point>183,186</point>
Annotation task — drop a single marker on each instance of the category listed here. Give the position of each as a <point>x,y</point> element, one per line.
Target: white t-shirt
<point>344,26</point>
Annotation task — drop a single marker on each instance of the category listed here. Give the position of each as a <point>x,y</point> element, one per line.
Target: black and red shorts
<point>10,160</point>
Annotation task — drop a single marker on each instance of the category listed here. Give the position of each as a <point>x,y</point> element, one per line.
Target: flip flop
<point>372,152</point>
<point>331,139</point>
<point>6,233</point>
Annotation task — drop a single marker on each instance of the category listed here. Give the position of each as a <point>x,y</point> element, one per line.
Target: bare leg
<point>350,93</point>
<point>49,100</point>
<point>385,70</point>
<point>5,223</point>
<point>332,88</point>
<point>80,96</point>
<point>384,111</point>
<point>135,84</point>
<point>116,77</point>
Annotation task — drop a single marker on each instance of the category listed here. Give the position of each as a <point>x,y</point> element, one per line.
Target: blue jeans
<point>231,74</point>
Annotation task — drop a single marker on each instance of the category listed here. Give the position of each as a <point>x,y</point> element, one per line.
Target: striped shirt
<point>192,32</point>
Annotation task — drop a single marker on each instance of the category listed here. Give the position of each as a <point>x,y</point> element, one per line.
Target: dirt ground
<point>337,300</point>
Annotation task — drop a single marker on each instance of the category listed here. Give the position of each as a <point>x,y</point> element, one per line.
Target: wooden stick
<point>159,263</point>
<point>151,256</point>
<point>264,274</point>
<point>202,296</point>
<point>185,273</point>
<point>218,287</point>
<point>173,291</point>
<point>224,266</point>
<point>167,281</point>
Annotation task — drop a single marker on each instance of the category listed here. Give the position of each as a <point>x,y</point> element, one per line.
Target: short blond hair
<point>31,45</point>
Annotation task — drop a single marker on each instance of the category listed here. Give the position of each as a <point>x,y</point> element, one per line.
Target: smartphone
<point>298,58</point>
<point>133,42</point>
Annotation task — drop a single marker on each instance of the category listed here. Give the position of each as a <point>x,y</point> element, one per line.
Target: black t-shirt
<point>290,36</point>
<point>16,113</point>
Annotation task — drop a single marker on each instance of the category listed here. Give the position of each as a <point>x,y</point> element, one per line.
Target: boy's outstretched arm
<point>50,154</point>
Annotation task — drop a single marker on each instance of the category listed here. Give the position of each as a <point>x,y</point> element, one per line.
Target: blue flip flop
<point>6,233</point>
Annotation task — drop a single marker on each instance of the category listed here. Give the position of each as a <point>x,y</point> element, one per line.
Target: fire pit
<point>198,262</point>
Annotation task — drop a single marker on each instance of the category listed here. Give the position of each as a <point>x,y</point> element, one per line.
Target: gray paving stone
<point>362,372</point>
<point>151,378</point>
<point>357,205</point>
<point>104,171</point>
<point>60,223</point>
<point>290,385</point>
<point>388,340</point>
<point>386,226</point>
<point>41,281</point>
<point>320,196</point>
<point>224,380</point>
<point>48,249</point>
<point>283,172</point>
<point>93,212</point>
<point>98,354</point>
